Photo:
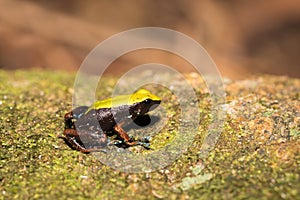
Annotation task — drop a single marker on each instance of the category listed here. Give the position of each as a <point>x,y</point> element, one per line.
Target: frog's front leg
<point>72,137</point>
<point>124,136</point>
<point>127,139</point>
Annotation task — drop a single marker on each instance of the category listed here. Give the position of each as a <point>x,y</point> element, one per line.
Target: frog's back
<point>121,100</point>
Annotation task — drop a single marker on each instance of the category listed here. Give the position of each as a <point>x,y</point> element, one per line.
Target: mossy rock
<point>257,155</point>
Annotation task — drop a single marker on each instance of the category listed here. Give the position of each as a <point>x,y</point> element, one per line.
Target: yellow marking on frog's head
<point>137,97</point>
<point>142,95</point>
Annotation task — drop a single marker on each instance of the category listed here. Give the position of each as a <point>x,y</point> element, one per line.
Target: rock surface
<point>256,156</point>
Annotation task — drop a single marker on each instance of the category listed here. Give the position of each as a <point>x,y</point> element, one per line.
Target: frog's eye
<point>147,101</point>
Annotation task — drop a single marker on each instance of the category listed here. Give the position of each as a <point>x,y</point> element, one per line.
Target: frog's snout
<point>154,105</point>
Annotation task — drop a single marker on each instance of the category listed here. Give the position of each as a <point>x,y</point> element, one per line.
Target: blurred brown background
<point>242,37</point>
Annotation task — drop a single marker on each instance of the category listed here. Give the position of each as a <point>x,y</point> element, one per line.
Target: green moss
<point>256,156</point>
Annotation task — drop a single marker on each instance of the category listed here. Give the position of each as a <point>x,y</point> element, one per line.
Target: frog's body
<point>86,127</point>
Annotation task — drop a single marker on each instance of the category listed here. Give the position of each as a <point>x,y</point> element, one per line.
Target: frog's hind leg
<point>74,115</point>
<point>72,137</point>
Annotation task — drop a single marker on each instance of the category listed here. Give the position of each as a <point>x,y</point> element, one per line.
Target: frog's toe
<point>147,145</point>
<point>131,137</point>
<point>147,139</point>
<point>115,142</point>
<point>118,142</point>
<point>144,144</point>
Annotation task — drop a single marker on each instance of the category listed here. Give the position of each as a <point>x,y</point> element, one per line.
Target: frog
<point>87,127</point>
